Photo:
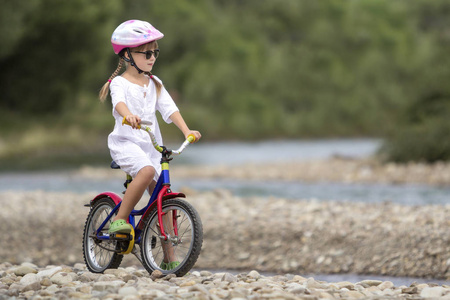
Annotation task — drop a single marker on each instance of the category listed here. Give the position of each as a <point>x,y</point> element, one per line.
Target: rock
<point>116,272</point>
<point>205,273</point>
<point>156,274</point>
<point>85,289</point>
<point>154,286</point>
<point>106,277</point>
<point>346,284</point>
<point>296,289</point>
<point>353,295</point>
<point>46,281</point>
<point>109,286</point>
<point>31,265</point>
<point>24,270</point>
<point>199,288</point>
<point>313,284</point>
<point>53,288</point>
<point>61,278</point>
<point>299,278</point>
<point>128,290</point>
<point>29,279</point>
<point>88,276</point>
<point>79,266</point>
<point>128,277</point>
<point>49,272</point>
<point>169,276</point>
<point>152,294</point>
<point>385,285</point>
<point>432,292</point>
<point>254,274</point>
<point>187,283</point>
<point>15,289</point>
<point>410,290</point>
<point>370,282</point>
<point>228,278</point>
<point>35,286</point>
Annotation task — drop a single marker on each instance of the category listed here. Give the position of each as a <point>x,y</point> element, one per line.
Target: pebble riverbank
<point>27,281</point>
<point>244,233</point>
<point>43,231</point>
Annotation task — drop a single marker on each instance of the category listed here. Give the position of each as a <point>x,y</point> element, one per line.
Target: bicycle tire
<point>96,257</point>
<point>186,245</point>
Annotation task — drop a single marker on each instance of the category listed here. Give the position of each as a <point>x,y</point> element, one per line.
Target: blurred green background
<point>238,70</point>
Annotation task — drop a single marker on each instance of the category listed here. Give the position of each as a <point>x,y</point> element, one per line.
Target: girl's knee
<point>147,173</point>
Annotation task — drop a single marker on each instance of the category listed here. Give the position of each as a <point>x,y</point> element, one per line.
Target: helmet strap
<point>130,59</point>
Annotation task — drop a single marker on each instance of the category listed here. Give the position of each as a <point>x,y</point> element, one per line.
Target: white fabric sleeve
<point>165,105</point>
<point>117,92</point>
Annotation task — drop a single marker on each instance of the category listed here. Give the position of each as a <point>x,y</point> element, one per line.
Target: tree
<point>56,48</point>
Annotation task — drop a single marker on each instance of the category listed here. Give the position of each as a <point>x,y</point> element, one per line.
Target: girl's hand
<point>195,133</point>
<point>134,120</point>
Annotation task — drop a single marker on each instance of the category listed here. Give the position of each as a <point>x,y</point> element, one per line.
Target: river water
<point>272,151</point>
<point>212,154</point>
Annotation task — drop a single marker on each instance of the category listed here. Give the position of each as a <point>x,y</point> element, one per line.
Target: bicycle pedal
<point>121,236</point>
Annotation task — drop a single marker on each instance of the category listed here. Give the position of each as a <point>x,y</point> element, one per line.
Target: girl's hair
<point>105,89</point>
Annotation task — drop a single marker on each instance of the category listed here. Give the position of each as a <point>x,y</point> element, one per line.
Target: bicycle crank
<point>125,241</point>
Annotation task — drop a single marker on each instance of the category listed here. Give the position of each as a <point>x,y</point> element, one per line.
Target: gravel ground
<point>267,234</point>
<point>276,235</point>
<point>63,282</point>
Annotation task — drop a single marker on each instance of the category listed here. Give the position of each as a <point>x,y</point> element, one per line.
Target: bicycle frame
<point>161,193</point>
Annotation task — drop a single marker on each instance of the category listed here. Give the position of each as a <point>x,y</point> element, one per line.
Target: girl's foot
<point>119,226</point>
<point>169,266</point>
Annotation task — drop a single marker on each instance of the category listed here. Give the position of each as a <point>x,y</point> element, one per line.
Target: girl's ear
<point>125,54</point>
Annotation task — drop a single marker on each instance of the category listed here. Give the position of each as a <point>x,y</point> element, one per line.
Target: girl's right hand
<point>134,120</point>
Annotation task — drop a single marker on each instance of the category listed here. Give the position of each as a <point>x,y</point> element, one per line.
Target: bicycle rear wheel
<point>98,254</point>
<point>182,247</point>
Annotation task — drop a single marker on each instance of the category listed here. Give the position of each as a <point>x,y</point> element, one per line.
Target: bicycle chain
<point>98,243</point>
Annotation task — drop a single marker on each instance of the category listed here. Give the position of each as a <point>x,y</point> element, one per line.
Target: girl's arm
<point>123,110</point>
<point>181,124</point>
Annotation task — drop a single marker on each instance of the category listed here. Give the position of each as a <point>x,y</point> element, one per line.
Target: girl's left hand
<point>195,133</point>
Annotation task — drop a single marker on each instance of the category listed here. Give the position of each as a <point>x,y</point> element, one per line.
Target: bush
<point>425,134</point>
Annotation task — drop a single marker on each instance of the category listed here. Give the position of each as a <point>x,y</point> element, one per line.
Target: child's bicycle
<point>169,232</point>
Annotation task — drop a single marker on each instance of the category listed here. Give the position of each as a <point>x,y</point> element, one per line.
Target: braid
<point>158,84</point>
<point>104,91</point>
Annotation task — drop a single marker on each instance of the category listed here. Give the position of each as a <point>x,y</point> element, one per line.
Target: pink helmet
<point>133,33</point>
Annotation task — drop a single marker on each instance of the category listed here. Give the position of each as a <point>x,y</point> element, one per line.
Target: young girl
<point>137,95</point>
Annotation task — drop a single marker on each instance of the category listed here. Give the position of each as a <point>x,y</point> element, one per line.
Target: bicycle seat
<point>114,165</point>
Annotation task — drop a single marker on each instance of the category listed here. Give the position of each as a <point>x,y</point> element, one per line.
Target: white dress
<point>131,148</point>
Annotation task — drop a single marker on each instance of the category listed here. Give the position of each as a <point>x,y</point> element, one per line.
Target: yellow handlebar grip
<point>191,138</point>
<point>125,122</point>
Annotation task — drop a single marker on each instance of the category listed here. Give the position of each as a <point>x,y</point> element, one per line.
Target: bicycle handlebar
<point>144,126</point>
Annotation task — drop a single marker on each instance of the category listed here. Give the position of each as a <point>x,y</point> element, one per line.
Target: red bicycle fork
<point>159,201</point>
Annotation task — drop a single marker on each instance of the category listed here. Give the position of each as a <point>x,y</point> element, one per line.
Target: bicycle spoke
<point>99,254</point>
<point>180,218</point>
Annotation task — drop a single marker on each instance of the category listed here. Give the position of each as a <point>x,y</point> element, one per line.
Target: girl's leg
<point>168,249</point>
<point>142,181</point>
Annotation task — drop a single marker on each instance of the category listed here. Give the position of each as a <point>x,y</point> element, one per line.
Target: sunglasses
<point>149,53</point>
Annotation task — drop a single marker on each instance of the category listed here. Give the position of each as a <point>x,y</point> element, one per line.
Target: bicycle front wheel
<point>99,255</point>
<point>183,227</point>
